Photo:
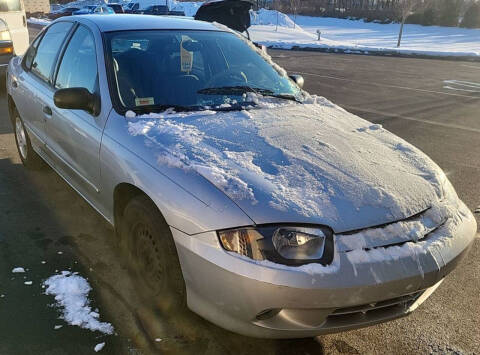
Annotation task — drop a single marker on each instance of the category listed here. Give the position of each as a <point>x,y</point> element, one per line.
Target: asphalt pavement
<point>430,103</point>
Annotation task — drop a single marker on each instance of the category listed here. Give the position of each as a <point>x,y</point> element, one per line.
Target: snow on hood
<point>287,162</point>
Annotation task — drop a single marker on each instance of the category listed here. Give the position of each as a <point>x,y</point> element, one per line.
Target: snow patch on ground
<point>18,270</point>
<point>99,347</point>
<point>71,294</point>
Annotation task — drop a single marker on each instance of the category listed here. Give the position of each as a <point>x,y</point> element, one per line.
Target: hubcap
<point>21,138</point>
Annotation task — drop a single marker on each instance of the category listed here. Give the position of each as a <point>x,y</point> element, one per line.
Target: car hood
<point>284,162</point>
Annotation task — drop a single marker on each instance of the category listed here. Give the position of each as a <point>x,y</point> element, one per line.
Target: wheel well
<point>11,107</point>
<point>122,194</point>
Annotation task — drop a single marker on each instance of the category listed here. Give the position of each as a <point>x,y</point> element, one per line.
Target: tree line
<point>463,13</point>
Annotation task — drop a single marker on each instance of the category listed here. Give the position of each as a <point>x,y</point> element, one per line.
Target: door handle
<point>47,110</point>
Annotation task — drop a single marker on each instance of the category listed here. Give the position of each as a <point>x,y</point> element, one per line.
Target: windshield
<point>191,69</point>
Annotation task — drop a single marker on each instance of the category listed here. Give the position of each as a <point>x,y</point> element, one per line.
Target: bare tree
<point>294,4</point>
<point>404,8</point>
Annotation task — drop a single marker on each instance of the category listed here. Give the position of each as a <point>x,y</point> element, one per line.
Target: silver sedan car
<point>269,211</point>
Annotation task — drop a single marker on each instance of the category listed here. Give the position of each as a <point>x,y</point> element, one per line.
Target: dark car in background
<point>154,10</point>
<point>117,8</point>
<point>158,10</point>
<point>67,11</point>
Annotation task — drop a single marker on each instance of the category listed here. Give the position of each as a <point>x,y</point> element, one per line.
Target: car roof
<point>128,22</point>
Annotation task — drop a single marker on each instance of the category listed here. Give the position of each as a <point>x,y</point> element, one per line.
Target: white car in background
<point>12,12</point>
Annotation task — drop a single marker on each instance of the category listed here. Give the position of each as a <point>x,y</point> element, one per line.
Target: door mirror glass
<point>298,79</point>
<point>77,99</point>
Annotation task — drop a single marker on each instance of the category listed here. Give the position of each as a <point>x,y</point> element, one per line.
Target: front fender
<point>188,201</point>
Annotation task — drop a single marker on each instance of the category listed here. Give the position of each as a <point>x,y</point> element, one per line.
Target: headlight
<point>288,245</point>
<point>5,35</point>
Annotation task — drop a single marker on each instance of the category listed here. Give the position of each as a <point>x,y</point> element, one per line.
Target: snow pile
<point>71,293</point>
<point>190,8</point>
<point>264,17</point>
<point>18,270</point>
<point>99,347</point>
<point>82,3</point>
<point>38,21</point>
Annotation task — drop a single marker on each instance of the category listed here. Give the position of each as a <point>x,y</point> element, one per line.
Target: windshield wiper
<point>233,90</point>
<point>239,90</point>
<point>284,96</point>
<point>162,108</point>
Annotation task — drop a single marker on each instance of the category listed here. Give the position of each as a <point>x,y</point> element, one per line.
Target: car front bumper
<point>262,299</point>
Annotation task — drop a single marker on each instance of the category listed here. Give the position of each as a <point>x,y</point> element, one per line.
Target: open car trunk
<point>231,13</point>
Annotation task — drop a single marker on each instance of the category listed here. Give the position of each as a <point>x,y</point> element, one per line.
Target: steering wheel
<point>228,76</point>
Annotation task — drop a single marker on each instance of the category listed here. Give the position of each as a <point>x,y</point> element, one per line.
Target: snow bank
<point>71,293</point>
<point>270,17</point>
<point>38,21</point>
<point>190,8</point>
<point>362,37</point>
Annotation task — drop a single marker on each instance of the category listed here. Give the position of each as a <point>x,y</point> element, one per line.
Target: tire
<point>30,158</point>
<point>148,244</point>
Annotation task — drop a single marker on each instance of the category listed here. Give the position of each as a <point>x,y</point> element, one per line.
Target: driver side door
<point>74,136</point>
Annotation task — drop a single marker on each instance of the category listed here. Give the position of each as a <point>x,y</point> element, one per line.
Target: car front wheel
<point>152,256</point>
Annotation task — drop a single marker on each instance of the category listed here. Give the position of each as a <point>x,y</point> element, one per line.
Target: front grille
<point>371,312</point>
<point>415,228</point>
<point>405,301</point>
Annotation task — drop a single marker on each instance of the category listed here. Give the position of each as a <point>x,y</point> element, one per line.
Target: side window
<point>32,50</point>
<point>48,49</point>
<point>79,63</point>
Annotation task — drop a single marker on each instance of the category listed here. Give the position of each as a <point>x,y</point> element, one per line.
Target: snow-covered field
<point>359,36</point>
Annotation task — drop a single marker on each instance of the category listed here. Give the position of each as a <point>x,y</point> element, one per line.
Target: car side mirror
<point>298,79</point>
<point>77,99</point>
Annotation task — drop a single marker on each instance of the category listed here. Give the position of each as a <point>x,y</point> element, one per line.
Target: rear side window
<point>31,53</point>
<point>79,63</point>
<point>48,49</point>
<point>10,5</point>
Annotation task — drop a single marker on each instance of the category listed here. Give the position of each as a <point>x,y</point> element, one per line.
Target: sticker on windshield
<point>144,101</point>
<point>186,57</point>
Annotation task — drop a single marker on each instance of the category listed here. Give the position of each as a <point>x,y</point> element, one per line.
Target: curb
<point>379,53</point>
